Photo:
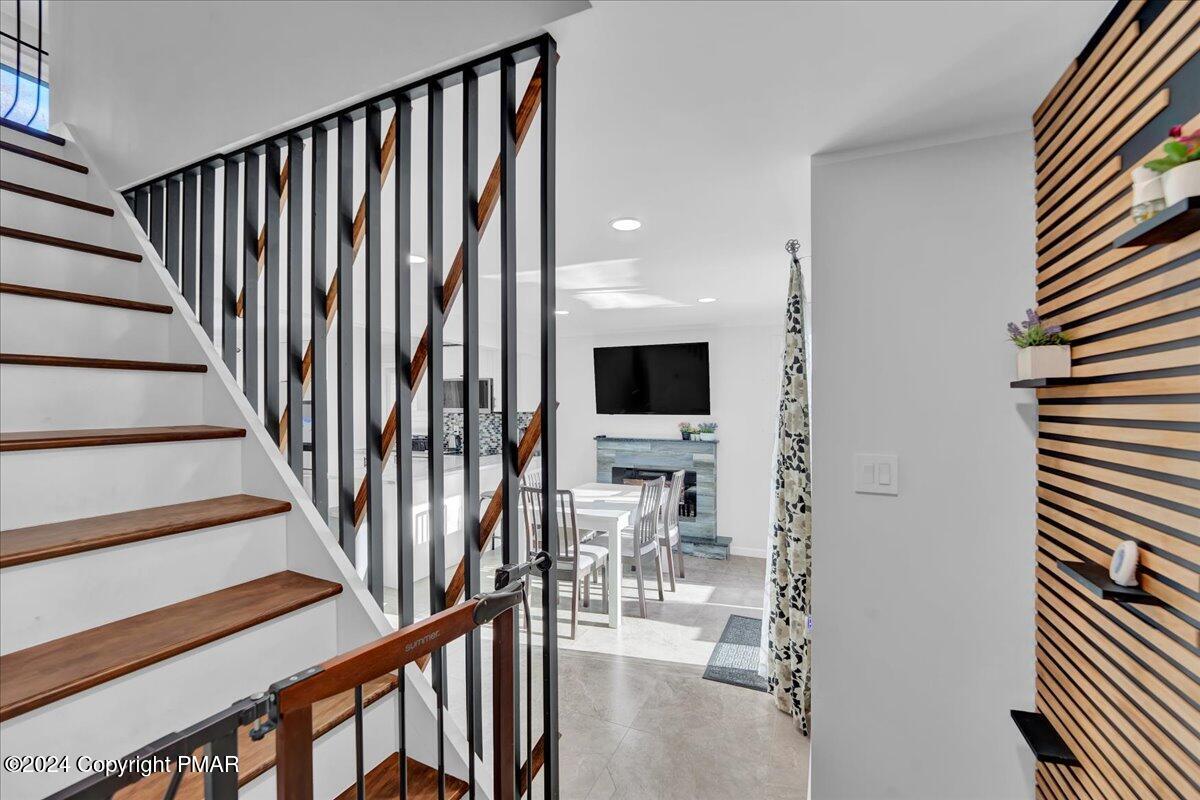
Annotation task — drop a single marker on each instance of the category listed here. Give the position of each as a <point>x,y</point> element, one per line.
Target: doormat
<point>734,659</point>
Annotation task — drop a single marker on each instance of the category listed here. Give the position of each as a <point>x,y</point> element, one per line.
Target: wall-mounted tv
<point>652,379</point>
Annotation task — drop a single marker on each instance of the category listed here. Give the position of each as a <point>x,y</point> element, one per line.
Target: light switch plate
<point>876,473</point>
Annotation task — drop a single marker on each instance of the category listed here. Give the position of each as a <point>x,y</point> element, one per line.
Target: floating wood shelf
<point>1042,739</point>
<point>1169,225</point>
<point>1045,383</point>
<point>1094,578</point>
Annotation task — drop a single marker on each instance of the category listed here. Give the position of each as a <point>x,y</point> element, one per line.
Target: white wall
<point>744,380</point>
<point>923,603</point>
<point>155,85</point>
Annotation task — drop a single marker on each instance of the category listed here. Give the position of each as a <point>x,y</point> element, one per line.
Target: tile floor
<point>639,722</point>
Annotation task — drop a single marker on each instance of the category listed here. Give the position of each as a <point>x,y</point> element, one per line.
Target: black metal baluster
<point>229,268</point>
<point>171,235</point>
<point>549,440</point>
<point>404,467</point>
<point>360,785</point>
<point>17,80</point>
<point>470,433</point>
<point>374,421</point>
<point>250,283</point>
<point>436,316</point>
<point>345,323</point>
<point>190,223</point>
<point>157,203</point>
<point>319,332</point>
<point>141,208</point>
<point>37,86</point>
<point>271,342</point>
<point>208,244</point>
<point>508,350</point>
<point>295,306</point>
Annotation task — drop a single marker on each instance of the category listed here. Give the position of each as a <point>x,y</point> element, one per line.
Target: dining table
<point>608,508</point>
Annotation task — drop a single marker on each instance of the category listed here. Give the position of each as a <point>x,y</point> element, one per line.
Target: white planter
<point>1049,361</point>
<point>1181,182</point>
<point>706,437</point>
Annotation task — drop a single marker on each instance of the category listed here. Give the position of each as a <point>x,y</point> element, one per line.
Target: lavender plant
<point>1033,332</point>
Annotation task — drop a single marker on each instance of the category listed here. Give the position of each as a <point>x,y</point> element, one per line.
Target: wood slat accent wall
<point>1118,455</point>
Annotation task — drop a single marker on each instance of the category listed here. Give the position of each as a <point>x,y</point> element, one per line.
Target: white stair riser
<point>43,486</point>
<point>46,600</point>
<point>333,753</point>
<point>59,327</point>
<point>34,214</point>
<point>46,398</point>
<point>35,264</point>
<point>47,177</point>
<point>117,717</point>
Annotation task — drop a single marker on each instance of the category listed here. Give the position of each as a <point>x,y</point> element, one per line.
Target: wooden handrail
<point>294,697</point>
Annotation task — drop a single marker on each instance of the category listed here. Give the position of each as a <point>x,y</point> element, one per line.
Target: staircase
<point>158,558</point>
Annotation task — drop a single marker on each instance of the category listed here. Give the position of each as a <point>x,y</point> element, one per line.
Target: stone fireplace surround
<point>699,533</point>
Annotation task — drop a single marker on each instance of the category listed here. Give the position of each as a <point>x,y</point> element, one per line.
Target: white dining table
<point>609,508</point>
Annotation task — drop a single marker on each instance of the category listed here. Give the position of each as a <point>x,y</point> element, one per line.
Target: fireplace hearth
<point>636,475</point>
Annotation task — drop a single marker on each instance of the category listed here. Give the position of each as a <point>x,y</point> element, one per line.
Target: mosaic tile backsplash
<point>489,430</point>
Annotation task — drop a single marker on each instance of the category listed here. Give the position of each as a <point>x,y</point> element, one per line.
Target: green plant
<point>1180,150</point>
<point>687,427</point>
<point>707,427</point>
<point>1035,333</point>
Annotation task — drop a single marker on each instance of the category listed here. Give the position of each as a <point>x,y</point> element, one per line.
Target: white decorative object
<point>1181,182</point>
<point>1124,564</point>
<point>1045,361</point>
<point>707,437</point>
<point>1147,194</point>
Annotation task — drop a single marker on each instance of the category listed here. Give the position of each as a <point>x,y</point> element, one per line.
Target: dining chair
<point>641,537</point>
<point>574,558</point>
<point>669,533</point>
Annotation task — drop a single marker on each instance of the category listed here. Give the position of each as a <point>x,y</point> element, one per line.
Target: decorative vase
<point>1124,567</point>
<point>686,435</point>
<point>708,437</point>
<point>1047,361</point>
<point>1181,182</point>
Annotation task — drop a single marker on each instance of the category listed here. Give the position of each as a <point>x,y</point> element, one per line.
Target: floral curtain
<point>788,624</point>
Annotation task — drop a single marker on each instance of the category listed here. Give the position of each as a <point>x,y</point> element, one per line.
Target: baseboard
<point>752,552</point>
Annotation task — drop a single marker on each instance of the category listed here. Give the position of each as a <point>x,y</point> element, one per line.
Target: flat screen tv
<point>652,379</point>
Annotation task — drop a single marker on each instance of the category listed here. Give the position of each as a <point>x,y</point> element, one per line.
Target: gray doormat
<point>734,659</point>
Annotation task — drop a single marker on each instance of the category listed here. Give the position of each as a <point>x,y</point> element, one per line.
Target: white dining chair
<point>669,530</point>
<point>640,539</point>
<point>575,559</point>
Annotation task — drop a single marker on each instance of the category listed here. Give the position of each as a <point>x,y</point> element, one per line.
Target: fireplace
<point>636,475</point>
<point>622,459</point>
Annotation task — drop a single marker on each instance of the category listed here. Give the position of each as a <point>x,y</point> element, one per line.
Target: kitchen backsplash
<point>489,430</point>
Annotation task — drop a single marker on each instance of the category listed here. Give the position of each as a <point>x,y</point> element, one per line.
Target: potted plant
<point>707,431</point>
<point>1044,351</point>
<point>1179,166</point>
<point>686,430</point>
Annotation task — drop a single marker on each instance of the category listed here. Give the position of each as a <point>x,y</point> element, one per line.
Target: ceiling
<point>700,118</point>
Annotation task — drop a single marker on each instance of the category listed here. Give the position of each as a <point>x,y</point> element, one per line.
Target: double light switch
<point>876,473</point>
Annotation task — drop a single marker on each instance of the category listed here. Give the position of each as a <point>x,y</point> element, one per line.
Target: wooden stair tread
<point>40,542</point>
<point>44,673</point>
<point>79,297</point>
<point>383,782</point>
<point>17,149</point>
<point>61,199</point>
<point>91,437</point>
<point>256,758</point>
<point>68,244</point>
<point>40,360</point>
<point>28,131</point>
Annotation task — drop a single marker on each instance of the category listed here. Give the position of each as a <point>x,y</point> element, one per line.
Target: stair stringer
<point>311,547</point>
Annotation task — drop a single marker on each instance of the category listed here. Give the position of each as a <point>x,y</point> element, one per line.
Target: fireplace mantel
<point>699,534</point>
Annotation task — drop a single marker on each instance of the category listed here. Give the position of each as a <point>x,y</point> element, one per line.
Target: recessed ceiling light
<point>626,224</point>
<point>413,258</point>
<point>562,312</point>
<point>706,300</point>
